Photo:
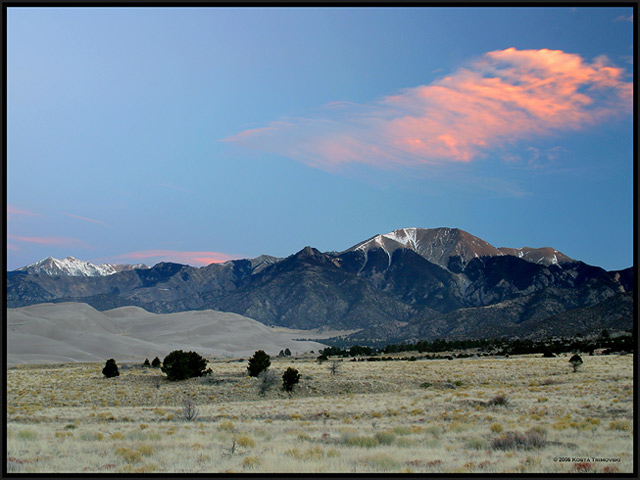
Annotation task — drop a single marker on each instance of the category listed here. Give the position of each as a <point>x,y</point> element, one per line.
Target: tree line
<point>495,346</point>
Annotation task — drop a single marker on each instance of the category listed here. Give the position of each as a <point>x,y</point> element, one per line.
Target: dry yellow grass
<point>429,416</point>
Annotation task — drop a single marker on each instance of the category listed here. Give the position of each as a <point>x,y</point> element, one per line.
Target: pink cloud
<point>501,98</point>
<point>57,241</point>
<point>11,210</point>
<point>86,219</point>
<point>189,258</point>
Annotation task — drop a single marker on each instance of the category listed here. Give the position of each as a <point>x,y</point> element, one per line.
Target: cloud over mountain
<point>198,258</point>
<point>503,97</point>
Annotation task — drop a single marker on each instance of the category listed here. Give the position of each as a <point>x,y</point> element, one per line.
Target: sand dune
<point>76,332</point>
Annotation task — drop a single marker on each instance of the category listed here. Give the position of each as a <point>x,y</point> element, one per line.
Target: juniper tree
<point>575,362</point>
<point>258,363</point>
<point>289,379</point>
<point>110,369</point>
<point>179,365</point>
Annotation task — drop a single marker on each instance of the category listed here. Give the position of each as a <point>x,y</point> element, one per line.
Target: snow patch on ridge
<point>73,267</point>
<point>405,236</point>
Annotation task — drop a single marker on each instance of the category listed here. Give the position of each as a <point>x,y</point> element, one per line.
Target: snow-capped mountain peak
<point>73,267</point>
<point>439,245</point>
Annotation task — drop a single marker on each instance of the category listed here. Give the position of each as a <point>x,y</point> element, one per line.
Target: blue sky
<point>201,134</point>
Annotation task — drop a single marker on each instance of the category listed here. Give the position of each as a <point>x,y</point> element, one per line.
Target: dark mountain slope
<point>409,284</point>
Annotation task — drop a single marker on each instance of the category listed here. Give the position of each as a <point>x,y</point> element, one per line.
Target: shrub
<point>583,467</point>
<point>156,363</point>
<point>385,438</point>
<point>246,441</point>
<point>251,462</point>
<point>110,369</point>
<point>498,401</point>
<point>258,363</point>
<point>267,380</point>
<point>519,441</point>
<point>129,455</point>
<point>382,462</point>
<point>495,428</point>
<point>27,435</point>
<point>334,368</point>
<point>179,365</point>
<point>146,363</point>
<point>475,443</point>
<point>189,410</point>
<point>619,425</point>
<point>360,441</point>
<point>289,379</point>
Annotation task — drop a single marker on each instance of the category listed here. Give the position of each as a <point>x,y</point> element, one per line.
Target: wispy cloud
<point>534,158</point>
<point>11,210</point>
<point>623,18</point>
<point>189,258</point>
<point>55,241</point>
<point>86,219</point>
<point>174,187</point>
<point>503,97</point>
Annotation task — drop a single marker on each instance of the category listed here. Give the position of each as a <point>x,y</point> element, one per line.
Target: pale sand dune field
<point>431,416</point>
<point>76,332</point>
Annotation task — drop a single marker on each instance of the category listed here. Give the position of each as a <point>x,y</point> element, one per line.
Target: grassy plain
<point>429,416</point>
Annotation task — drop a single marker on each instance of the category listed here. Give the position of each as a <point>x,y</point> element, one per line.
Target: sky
<point>199,135</point>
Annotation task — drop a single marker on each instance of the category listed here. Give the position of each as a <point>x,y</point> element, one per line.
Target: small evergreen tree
<point>575,362</point>
<point>179,365</point>
<point>287,352</point>
<point>156,363</point>
<point>146,363</point>
<point>289,379</point>
<point>259,362</point>
<point>110,369</point>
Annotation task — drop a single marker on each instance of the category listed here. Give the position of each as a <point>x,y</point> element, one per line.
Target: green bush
<point>146,363</point>
<point>156,363</point>
<point>179,365</point>
<point>258,363</point>
<point>385,438</point>
<point>289,379</point>
<point>110,369</point>
<point>360,441</point>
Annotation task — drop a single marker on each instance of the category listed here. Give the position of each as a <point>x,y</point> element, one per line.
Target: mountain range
<point>75,268</point>
<point>412,283</point>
